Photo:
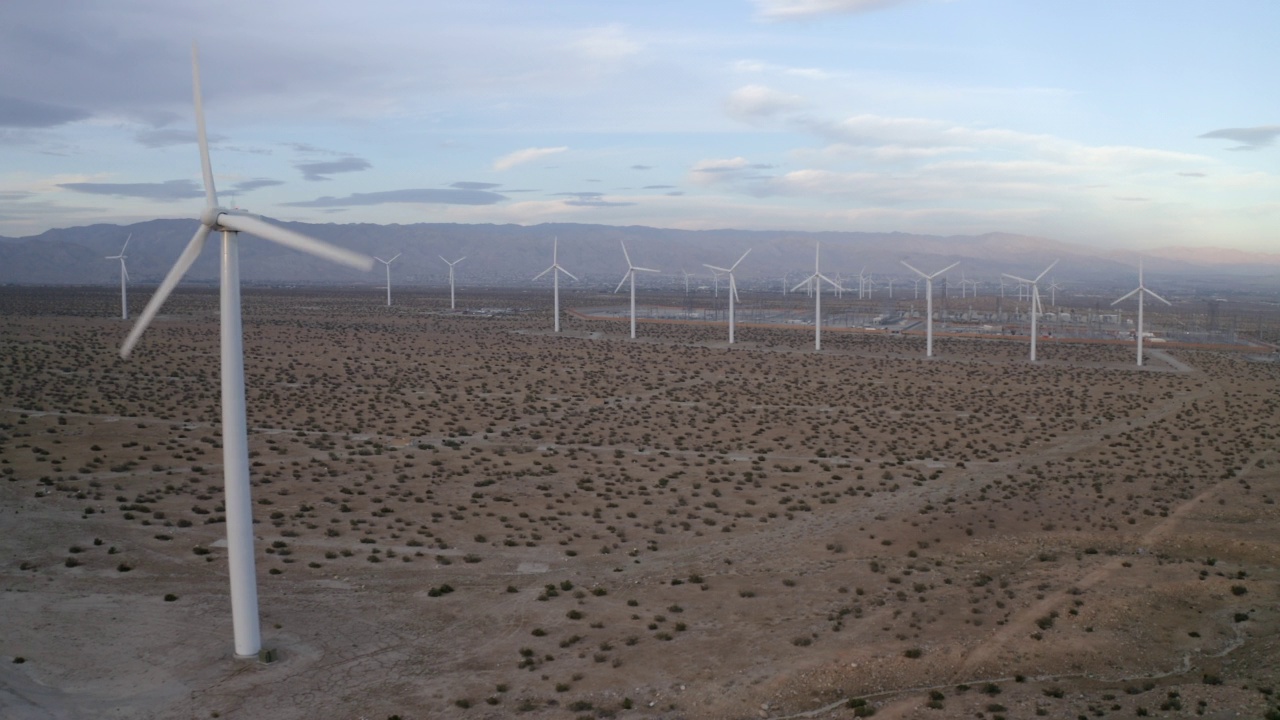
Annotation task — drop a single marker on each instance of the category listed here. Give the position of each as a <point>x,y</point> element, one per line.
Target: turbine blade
<point>125,271</point>
<point>640,269</point>
<point>394,258</point>
<point>944,269</point>
<point>566,272</point>
<point>446,262</point>
<point>913,269</point>
<point>1128,295</point>
<point>464,257</point>
<point>126,244</point>
<point>802,283</point>
<point>1046,270</point>
<point>210,193</point>
<point>713,267</point>
<point>297,241</point>
<point>623,281</point>
<point>180,268</point>
<point>624,252</point>
<point>1152,294</point>
<point>535,277</point>
<point>1019,279</point>
<point>735,265</point>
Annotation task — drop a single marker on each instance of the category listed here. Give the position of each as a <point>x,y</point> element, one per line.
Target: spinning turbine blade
<point>297,241</point>
<point>210,194</point>
<point>180,268</point>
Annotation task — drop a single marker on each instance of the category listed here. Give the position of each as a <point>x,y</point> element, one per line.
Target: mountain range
<point>512,254</point>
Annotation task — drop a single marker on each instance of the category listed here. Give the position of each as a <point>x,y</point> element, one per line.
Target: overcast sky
<point>1135,123</point>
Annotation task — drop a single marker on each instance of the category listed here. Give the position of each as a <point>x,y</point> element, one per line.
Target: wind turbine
<point>928,303</point>
<point>1035,302</point>
<point>235,441</point>
<point>124,279</point>
<point>631,274</point>
<point>452,306</point>
<point>816,278</point>
<point>1054,287</point>
<point>388,264</point>
<point>733,286</point>
<point>555,271</point>
<point>1140,291</point>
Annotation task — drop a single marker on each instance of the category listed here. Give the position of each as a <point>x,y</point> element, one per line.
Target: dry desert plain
<point>461,515</point>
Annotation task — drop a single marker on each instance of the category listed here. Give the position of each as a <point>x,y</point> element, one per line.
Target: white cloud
<point>519,157</point>
<point>801,9</point>
<point>752,102</point>
<point>607,44</point>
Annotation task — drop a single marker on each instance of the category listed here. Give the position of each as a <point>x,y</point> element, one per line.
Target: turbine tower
<point>235,441</point>
<point>1035,302</point>
<point>388,264</point>
<point>816,278</point>
<point>555,271</point>
<point>631,274</point>
<point>452,306</point>
<point>124,279</point>
<point>928,303</point>
<point>1141,290</point>
<point>733,286</point>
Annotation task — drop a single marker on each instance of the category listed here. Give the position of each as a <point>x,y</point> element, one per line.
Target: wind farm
<point>853,531</point>
<point>278,493</point>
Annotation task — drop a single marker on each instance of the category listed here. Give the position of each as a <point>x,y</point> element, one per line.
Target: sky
<point>1133,124</point>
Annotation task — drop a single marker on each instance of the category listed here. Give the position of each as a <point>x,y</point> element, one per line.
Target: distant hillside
<point>513,254</point>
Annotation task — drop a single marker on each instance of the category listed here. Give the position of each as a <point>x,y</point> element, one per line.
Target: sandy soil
<point>465,515</point>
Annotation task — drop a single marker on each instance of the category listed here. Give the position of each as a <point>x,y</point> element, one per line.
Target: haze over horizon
<point>1134,125</point>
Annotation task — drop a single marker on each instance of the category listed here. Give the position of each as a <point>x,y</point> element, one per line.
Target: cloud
<point>321,170</point>
<point>1193,174</point>
<point>16,112</point>
<point>641,167</point>
<point>597,203</point>
<point>165,138</point>
<point>245,186</point>
<point>166,191</point>
<point>520,157</point>
<point>709,172</point>
<point>590,199</point>
<point>752,102</point>
<point>424,196</point>
<point>1253,138</point>
<point>464,185</point>
<point>607,44</point>
<point>802,9</point>
<point>657,187</point>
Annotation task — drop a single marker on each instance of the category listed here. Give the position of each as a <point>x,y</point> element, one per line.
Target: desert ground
<point>465,515</point>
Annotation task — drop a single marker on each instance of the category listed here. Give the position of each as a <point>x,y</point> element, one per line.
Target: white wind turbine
<point>1141,290</point>
<point>235,441</point>
<point>631,274</point>
<point>124,279</point>
<point>733,286</point>
<point>816,278</point>
<point>555,271</point>
<point>928,303</point>
<point>452,306</point>
<point>388,264</point>
<point>1035,302</point>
